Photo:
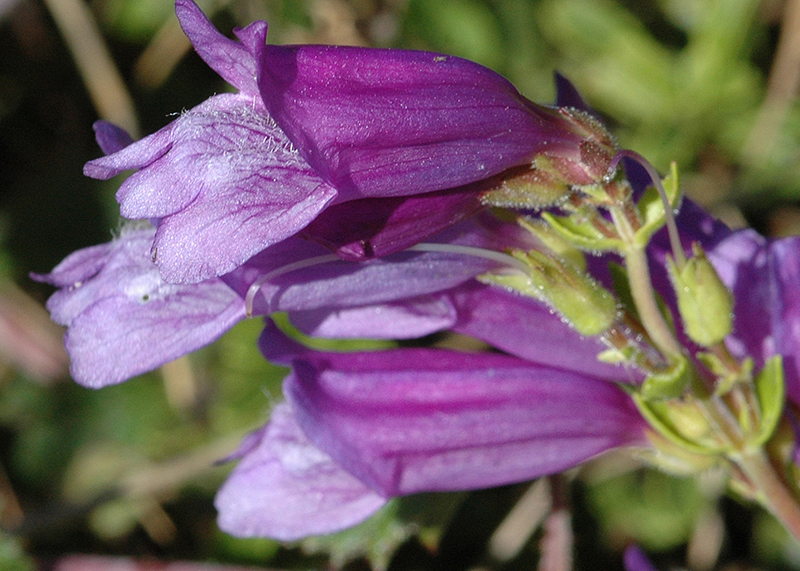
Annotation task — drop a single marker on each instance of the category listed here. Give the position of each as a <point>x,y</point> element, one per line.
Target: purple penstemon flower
<point>243,171</point>
<point>124,319</point>
<point>349,187</point>
<point>359,428</point>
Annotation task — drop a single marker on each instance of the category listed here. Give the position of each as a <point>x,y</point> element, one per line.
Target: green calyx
<point>578,298</point>
<point>704,303</point>
<point>688,423</point>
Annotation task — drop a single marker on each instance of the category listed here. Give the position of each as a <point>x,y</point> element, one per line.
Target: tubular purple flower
<point>241,172</point>
<point>392,122</point>
<point>406,421</point>
<point>124,319</point>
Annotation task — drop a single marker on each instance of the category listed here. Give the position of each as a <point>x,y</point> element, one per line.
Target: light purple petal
<point>137,155</point>
<point>228,58</point>
<point>407,319</point>
<point>742,262</point>
<point>337,284</point>
<point>123,320</point>
<point>529,329</point>
<point>391,122</point>
<point>286,488</point>
<point>229,186</point>
<point>407,421</point>
<point>110,137</point>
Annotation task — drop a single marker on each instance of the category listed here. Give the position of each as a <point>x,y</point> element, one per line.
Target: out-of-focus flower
<point>636,560</point>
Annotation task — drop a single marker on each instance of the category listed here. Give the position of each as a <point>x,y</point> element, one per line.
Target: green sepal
<point>681,423</point>
<point>726,379</point>
<point>581,234</point>
<point>771,392</point>
<point>669,383</point>
<point>579,299</point>
<point>616,356</point>
<point>704,301</point>
<point>651,207</point>
<point>554,242</point>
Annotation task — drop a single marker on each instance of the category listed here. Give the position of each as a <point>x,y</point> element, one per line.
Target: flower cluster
<point>393,194</point>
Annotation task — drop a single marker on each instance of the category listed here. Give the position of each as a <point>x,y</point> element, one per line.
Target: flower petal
<point>528,329</point>
<point>742,262</point>
<point>338,284</point>
<point>286,488</point>
<point>390,122</point>
<point>373,227</point>
<point>123,320</point>
<point>110,137</point>
<point>228,58</point>
<point>407,421</point>
<point>406,319</point>
<point>228,185</point>
<point>785,269</point>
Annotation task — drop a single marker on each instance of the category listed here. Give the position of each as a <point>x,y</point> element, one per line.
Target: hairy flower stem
<point>769,488</point>
<point>773,492</point>
<point>644,299</point>
<point>672,227</point>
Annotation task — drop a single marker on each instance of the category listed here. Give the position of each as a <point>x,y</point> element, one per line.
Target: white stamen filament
<point>256,285</point>
<point>473,251</point>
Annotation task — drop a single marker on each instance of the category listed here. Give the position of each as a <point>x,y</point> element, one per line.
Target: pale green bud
<point>705,304</point>
<point>575,295</point>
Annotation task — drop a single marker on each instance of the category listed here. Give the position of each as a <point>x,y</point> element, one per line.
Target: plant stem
<point>775,496</point>
<point>644,298</point>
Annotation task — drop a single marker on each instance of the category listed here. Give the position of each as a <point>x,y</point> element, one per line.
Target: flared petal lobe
<point>123,320</point>
<point>224,182</point>
<point>287,488</point>
<point>407,421</point>
<point>228,58</point>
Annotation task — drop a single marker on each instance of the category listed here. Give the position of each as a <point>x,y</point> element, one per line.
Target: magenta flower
<point>123,319</point>
<point>346,187</point>
<point>243,171</point>
<point>360,428</point>
<point>364,427</point>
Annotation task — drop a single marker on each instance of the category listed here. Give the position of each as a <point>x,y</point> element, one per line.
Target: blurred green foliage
<point>682,80</point>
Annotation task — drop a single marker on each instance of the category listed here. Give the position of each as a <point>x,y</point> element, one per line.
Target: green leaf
<point>378,538</point>
<point>771,391</point>
<point>653,509</point>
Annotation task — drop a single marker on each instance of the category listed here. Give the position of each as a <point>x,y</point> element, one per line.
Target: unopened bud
<point>705,304</point>
<point>574,294</point>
